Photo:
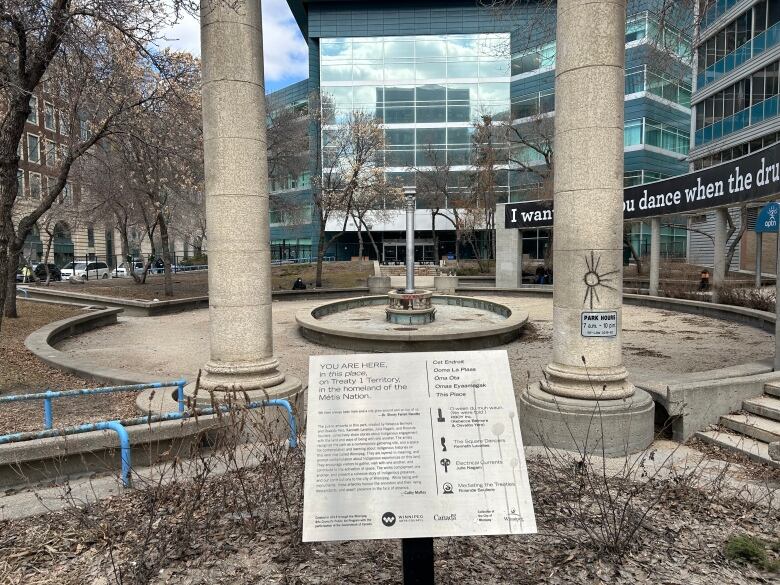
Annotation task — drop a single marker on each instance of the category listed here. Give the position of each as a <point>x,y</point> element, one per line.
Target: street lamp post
<point>410,206</point>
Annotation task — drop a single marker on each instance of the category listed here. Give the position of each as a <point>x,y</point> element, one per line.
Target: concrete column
<point>759,252</point>
<point>585,401</point>
<point>509,253</point>
<point>588,244</point>
<point>655,254</point>
<point>241,340</point>
<point>719,252</point>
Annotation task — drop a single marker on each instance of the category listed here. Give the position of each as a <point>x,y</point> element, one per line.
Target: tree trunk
<point>371,239</point>
<point>359,226</point>
<point>634,253</point>
<point>320,256</point>
<point>10,309</point>
<point>166,254</point>
<point>732,249</point>
<point>49,241</point>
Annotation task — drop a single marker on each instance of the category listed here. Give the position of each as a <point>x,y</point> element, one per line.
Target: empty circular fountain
<point>364,324</point>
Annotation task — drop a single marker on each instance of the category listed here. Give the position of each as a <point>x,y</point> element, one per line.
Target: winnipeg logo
<point>388,519</point>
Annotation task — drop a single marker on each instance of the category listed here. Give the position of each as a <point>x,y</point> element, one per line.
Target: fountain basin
<point>462,323</point>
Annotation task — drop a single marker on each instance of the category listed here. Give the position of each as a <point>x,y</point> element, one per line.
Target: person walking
<point>26,274</point>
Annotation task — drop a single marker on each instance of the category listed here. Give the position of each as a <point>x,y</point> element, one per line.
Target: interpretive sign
<point>750,178</point>
<point>599,324</point>
<point>414,445</point>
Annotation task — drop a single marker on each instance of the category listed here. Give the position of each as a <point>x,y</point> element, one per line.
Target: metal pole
<point>410,205</point>
<point>417,561</point>
<point>777,304</point>
<point>759,250</point>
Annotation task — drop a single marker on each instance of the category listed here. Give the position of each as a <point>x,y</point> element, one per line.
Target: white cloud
<point>286,54</point>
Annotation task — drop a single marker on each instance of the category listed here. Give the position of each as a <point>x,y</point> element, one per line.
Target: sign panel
<point>767,220</point>
<point>599,324</point>
<point>414,445</point>
<point>750,178</point>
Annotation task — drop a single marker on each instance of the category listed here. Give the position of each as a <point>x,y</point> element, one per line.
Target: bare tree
<point>89,50</point>
<point>437,190</point>
<point>350,163</point>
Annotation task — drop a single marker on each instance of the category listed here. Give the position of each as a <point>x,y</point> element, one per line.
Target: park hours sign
<point>414,445</point>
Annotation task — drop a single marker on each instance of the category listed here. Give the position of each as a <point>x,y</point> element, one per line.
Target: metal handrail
<point>48,396</point>
<point>118,426</point>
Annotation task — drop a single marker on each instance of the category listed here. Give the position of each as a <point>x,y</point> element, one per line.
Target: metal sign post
<point>767,223</point>
<point>417,561</point>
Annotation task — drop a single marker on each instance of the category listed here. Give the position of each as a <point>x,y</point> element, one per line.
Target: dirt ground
<point>191,284</point>
<point>242,529</point>
<point>21,373</point>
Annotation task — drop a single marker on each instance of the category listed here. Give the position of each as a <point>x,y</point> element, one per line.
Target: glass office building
<point>431,70</point>
<point>736,104</point>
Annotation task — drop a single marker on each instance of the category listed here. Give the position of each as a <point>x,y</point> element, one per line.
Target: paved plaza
<point>656,342</point>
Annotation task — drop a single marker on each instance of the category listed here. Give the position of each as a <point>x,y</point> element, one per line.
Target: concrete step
<point>772,390</point>
<point>754,450</point>
<point>757,427</point>
<point>766,406</point>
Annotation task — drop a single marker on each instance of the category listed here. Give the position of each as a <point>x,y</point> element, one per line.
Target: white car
<point>85,270</point>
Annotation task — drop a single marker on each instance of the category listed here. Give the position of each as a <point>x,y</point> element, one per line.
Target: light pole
<point>410,206</point>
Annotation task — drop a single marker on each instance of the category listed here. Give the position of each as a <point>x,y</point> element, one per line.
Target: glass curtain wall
<point>428,91</point>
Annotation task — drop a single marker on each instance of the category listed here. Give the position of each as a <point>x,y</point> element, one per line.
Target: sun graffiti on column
<point>595,279</point>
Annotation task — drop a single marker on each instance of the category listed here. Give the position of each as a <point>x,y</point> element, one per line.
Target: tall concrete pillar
<point>655,254</point>
<point>719,252</point>
<point>509,253</point>
<point>759,253</point>
<point>585,388</point>
<point>241,341</point>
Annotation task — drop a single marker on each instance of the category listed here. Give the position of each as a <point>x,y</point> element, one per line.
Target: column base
<point>610,427</point>
<point>587,383</point>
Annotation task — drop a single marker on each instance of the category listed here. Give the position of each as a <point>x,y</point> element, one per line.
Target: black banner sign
<point>752,177</point>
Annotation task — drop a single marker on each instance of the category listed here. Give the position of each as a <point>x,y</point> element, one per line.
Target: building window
<point>66,197</point>
<point>64,125</point>
<point>747,102</point>
<point>48,116</point>
<point>84,132</point>
<point>32,117</point>
<point>51,153</point>
<point>33,148</point>
<point>91,237</point>
<point>35,186</point>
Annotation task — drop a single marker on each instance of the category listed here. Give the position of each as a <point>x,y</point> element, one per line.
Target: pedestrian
<point>540,274</point>
<point>704,283</point>
<point>299,285</point>
<point>26,274</point>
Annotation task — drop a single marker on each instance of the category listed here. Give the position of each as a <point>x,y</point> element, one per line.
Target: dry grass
<point>22,372</point>
<point>195,284</point>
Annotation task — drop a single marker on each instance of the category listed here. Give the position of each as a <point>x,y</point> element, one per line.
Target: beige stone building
<point>67,228</point>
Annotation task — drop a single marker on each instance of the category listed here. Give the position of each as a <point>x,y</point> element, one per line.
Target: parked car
<point>40,272</point>
<point>85,270</point>
<point>120,271</point>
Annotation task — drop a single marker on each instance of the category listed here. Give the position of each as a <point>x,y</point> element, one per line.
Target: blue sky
<point>286,55</point>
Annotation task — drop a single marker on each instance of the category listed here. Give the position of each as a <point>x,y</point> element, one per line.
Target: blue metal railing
<point>49,396</point>
<point>118,426</point>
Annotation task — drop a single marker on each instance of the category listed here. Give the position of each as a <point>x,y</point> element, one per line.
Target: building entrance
<point>394,251</point>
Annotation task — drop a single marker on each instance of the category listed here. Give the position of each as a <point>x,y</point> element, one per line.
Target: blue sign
<point>768,218</point>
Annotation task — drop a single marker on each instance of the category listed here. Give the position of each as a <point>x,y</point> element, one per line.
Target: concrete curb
<point>41,343</point>
<point>61,458</point>
<point>143,308</point>
<point>409,338</point>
